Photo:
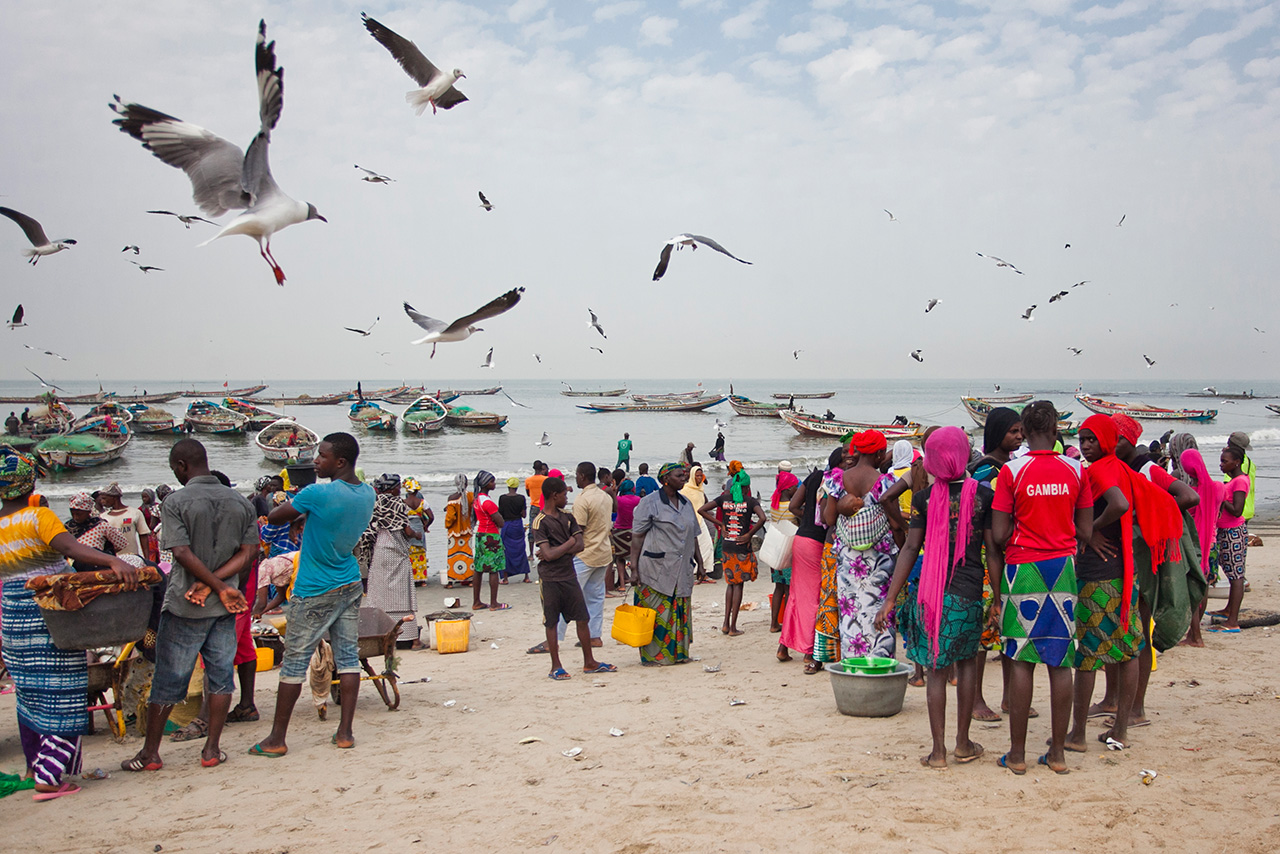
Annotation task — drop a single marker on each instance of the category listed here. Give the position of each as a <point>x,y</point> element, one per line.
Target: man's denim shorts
<point>337,612</point>
<point>178,641</point>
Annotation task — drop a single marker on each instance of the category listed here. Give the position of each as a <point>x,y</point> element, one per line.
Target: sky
<point>599,130</point>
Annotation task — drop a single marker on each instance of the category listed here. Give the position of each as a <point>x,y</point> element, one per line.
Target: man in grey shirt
<point>212,533</point>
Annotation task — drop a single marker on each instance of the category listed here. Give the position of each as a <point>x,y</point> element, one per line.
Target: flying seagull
<point>892,218</point>
<point>594,323</point>
<point>721,425</point>
<point>598,350</point>
<point>1067,246</point>
<point>485,203</point>
<point>1078,284</point>
<point>364,332</point>
<point>915,354</point>
<point>691,240</point>
<point>1026,315</point>
<point>1000,262</point>
<point>1121,222</point>
<point>1059,295</point>
<point>544,441</point>
<point>439,332</point>
<point>40,244</point>
<point>1075,351</point>
<point>795,354</point>
<point>437,87</point>
<point>488,359</point>
<point>1210,389</point>
<point>135,249</point>
<point>17,321</point>
<point>373,177</point>
<point>1150,361</point>
<point>183,218</point>
<point>146,268</point>
<point>928,308</point>
<point>997,385</point>
<point>538,356</point>
<point>46,352</point>
<point>223,177</point>
<point>43,382</point>
<point>513,400</point>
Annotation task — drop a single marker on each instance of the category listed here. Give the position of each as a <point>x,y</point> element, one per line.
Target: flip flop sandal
<point>540,649</point>
<point>196,729</point>
<point>1044,760</point>
<point>501,606</point>
<point>257,750</point>
<point>215,761</point>
<point>1223,630</point>
<point>64,789</point>
<point>559,675</point>
<point>136,764</point>
<point>964,760</point>
<point>812,668</point>
<point>1003,762</point>
<point>601,667</point>
<point>240,715</point>
<point>993,718</point>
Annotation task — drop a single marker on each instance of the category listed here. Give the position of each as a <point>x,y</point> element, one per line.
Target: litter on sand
<point>616,733</point>
<point>711,668</point>
<point>736,702</point>
<point>1148,776</point>
<point>493,646</point>
<point>1113,744</point>
<point>571,752</point>
<point>529,739</point>
<point>449,704</point>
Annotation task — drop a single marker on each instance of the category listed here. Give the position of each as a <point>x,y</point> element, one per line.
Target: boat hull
<point>304,451</point>
<point>1145,413</point>
<point>667,406</point>
<point>813,395</point>
<point>753,408</point>
<point>814,425</point>
<point>613,392</point>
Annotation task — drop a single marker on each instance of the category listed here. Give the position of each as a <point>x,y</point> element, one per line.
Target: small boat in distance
<point>1142,412</point>
<point>259,416</point>
<point>692,405</point>
<point>1274,407</point>
<point>818,425</point>
<point>478,392</point>
<point>247,391</point>
<point>287,441</point>
<point>613,392</point>
<point>754,408</point>
<point>465,416</point>
<point>205,416</point>
<point>666,398</point>
<point>979,408</point>
<point>1007,399</point>
<point>371,416</point>
<point>424,415</point>
<point>812,395</point>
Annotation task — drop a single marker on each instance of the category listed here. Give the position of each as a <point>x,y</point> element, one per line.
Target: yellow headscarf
<point>693,490</point>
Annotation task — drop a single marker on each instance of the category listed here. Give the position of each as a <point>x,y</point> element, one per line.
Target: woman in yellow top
<point>418,508</point>
<point>50,683</point>
<point>459,524</point>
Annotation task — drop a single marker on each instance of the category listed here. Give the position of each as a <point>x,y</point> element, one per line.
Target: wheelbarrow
<point>110,676</point>
<point>377,633</point>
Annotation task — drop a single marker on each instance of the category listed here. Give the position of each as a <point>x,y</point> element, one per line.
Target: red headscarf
<point>784,481</point>
<point>1157,513</point>
<point>869,442</point>
<point>1127,427</point>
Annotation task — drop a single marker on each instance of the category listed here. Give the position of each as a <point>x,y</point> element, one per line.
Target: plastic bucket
<point>110,620</point>
<point>301,474</point>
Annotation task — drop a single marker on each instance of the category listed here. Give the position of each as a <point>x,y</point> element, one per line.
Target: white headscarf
<point>902,454</point>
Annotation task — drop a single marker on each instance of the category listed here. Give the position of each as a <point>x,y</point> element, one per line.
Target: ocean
<point>577,435</point>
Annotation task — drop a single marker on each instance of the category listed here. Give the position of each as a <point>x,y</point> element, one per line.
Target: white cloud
<point>657,30</point>
<point>609,11</point>
<point>522,10</point>
<point>1210,45</point>
<point>746,23</point>
<point>1263,67</point>
<point>615,64</point>
<point>1104,14</point>
<point>822,30</point>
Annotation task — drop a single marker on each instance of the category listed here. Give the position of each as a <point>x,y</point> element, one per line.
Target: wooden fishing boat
<point>163,397</point>
<point>817,425</point>
<point>305,399</point>
<point>49,417</point>
<point>1006,400</point>
<point>424,415</point>
<point>371,416</point>
<point>695,405</point>
<point>97,397</point>
<point>287,441</point>
<point>151,419</point>
<point>1142,412</point>
<point>754,408</point>
<point>612,392</point>
<point>667,398</point>
<point>259,416</point>
<point>478,392</point>
<point>247,391</point>
<point>92,441</point>
<point>113,408</point>
<point>812,395</point>
<point>465,416</point>
<point>979,408</point>
<point>205,416</point>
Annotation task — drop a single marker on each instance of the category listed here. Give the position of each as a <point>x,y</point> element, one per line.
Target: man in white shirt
<point>128,520</point>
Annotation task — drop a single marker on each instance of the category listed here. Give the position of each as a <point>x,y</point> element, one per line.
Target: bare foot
<point>938,763</point>
<point>344,742</point>
<point>986,714</point>
<point>783,654</point>
<point>1189,642</point>
<point>916,681</point>
<point>733,633</point>
<point>1071,744</point>
<point>774,629</point>
<point>724,630</point>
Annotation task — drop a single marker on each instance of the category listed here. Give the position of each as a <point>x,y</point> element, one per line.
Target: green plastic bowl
<point>870,665</point>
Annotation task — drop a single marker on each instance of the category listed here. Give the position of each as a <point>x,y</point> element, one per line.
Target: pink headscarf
<point>946,454</point>
<point>784,481</point>
<point>1205,513</point>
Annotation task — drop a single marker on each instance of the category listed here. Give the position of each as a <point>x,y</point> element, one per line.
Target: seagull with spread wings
<point>597,349</point>
<point>222,177</point>
<point>43,382</point>
<point>364,332</point>
<point>1150,361</point>
<point>1026,315</point>
<point>1059,295</point>
<point>488,359</point>
<point>40,244</point>
<point>437,87</point>
<point>485,203</point>
<point>691,240</point>
<point>1000,262</point>
<point>594,323</point>
<point>892,218</point>
<point>46,352</point>
<point>185,219</point>
<point>439,332</point>
<point>932,304</point>
<point>915,354</point>
<point>135,249</point>
<point>17,321</point>
<point>147,268</point>
<point>544,441</point>
<point>373,177</point>
<point>1075,351</point>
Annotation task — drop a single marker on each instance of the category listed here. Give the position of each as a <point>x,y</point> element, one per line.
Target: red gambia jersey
<point>1042,490</point>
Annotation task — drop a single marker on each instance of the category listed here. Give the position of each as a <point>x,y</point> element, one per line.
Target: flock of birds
<point>226,178</point>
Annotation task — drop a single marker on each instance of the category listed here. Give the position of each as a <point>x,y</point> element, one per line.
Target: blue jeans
<point>591,580</point>
<point>178,641</point>
<point>337,612</point>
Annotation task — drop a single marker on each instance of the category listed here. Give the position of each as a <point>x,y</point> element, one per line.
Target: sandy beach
<point>691,771</point>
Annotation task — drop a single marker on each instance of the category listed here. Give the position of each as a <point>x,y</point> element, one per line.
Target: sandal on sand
<point>65,789</point>
<point>1044,760</point>
<point>988,717</point>
<point>559,675</point>
<point>241,715</point>
<point>215,761</point>
<point>1003,762</point>
<point>136,764</point>
<point>196,729</point>
<point>501,606</point>
<point>1223,630</point>
<point>540,649</point>
<point>978,750</point>
<point>601,667</point>
<point>257,750</point>
<point>812,667</point>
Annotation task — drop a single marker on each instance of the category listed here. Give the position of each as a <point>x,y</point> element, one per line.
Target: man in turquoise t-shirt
<point>327,590</point>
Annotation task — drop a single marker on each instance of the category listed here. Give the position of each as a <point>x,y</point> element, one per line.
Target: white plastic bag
<point>775,551</point>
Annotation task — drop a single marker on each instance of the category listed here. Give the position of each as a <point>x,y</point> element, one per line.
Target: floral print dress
<point>863,572</point>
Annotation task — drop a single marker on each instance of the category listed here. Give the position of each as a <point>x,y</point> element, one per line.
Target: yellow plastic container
<point>266,658</point>
<point>633,625</point>
<point>453,636</point>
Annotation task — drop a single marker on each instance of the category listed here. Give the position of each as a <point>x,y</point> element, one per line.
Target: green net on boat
<point>460,410</point>
<point>79,443</point>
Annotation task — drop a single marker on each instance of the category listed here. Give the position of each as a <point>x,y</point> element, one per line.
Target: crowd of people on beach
<point>1081,558</point>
